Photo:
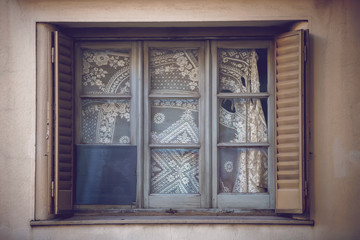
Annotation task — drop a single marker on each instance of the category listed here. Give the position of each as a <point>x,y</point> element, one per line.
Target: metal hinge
<point>52,55</point>
<point>306,188</point>
<point>52,188</point>
<point>305,53</point>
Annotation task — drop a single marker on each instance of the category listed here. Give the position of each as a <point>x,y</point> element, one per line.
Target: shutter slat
<point>64,123</point>
<point>288,93</point>
<point>66,79</point>
<point>65,185</point>
<point>65,52</point>
<point>286,41</point>
<point>288,165</point>
<point>65,69</point>
<point>65,166</point>
<point>288,138</point>
<point>287,84</point>
<point>65,60</point>
<point>288,157</point>
<point>289,102</point>
<point>287,49</point>
<point>65,113</point>
<point>287,129</point>
<point>287,120</point>
<point>285,76</point>
<point>65,148</point>
<point>287,67</point>
<point>288,174</point>
<point>65,139</point>
<point>66,87</point>
<point>288,183</point>
<point>66,104</point>
<point>287,147</point>
<point>67,96</point>
<point>287,58</point>
<point>287,111</point>
<point>65,157</point>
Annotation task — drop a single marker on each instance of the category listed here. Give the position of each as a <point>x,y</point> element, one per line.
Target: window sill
<point>124,220</point>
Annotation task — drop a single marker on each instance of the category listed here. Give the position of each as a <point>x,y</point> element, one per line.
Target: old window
<point>181,124</point>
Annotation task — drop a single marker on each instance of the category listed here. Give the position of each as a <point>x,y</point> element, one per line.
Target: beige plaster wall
<point>335,108</point>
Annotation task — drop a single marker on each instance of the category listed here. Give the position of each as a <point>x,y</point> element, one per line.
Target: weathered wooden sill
<point>173,219</point>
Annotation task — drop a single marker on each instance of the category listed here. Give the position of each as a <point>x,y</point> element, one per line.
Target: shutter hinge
<point>306,188</point>
<point>52,188</point>
<point>52,55</point>
<point>305,53</point>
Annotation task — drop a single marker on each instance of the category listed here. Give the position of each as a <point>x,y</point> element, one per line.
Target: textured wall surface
<point>335,111</point>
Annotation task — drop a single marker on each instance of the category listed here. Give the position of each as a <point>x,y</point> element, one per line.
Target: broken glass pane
<point>242,70</point>
<point>242,120</point>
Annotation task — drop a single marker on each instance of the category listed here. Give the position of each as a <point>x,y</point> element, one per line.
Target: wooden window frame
<point>189,201</point>
<point>239,200</point>
<point>44,197</point>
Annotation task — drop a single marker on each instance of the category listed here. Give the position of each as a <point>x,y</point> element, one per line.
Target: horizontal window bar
<point>243,144</point>
<point>174,145</point>
<point>104,144</point>
<point>174,96</point>
<point>243,95</point>
<point>117,96</point>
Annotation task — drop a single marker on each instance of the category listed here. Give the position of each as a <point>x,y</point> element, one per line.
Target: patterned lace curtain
<point>174,71</point>
<point>105,71</point>
<point>241,120</point>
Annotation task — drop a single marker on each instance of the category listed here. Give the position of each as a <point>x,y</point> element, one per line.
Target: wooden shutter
<point>290,57</point>
<point>64,123</point>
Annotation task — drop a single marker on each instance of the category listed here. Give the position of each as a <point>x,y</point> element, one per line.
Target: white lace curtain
<point>241,120</point>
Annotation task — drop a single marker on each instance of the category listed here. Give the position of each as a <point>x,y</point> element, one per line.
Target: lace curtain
<point>241,120</point>
<point>174,70</point>
<point>105,71</point>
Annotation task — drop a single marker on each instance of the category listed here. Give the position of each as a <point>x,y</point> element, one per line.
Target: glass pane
<point>105,174</point>
<point>174,171</point>
<point>243,120</point>
<point>243,170</point>
<point>105,71</point>
<point>175,121</point>
<point>242,70</point>
<point>174,70</point>
<point>105,121</point>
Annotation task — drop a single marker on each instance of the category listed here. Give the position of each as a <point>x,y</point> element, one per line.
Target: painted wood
<point>290,105</point>
<point>64,124</point>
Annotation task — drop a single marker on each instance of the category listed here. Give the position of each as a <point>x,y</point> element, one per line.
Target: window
<point>198,124</point>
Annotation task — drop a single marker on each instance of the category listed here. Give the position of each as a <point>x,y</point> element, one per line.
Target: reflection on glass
<point>243,170</point>
<point>242,120</point>
<point>242,70</point>
<point>174,171</point>
<point>174,121</point>
<point>174,70</point>
<point>105,121</point>
<point>105,71</point>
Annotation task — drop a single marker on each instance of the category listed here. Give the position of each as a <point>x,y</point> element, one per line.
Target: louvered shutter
<point>290,52</point>
<point>64,123</point>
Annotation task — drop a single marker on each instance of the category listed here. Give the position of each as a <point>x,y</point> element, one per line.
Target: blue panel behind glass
<point>105,174</point>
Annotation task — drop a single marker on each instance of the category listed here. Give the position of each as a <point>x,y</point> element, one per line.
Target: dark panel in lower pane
<point>105,174</point>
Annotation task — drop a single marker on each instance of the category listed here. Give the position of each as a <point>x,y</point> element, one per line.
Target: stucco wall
<point>335,112</point>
